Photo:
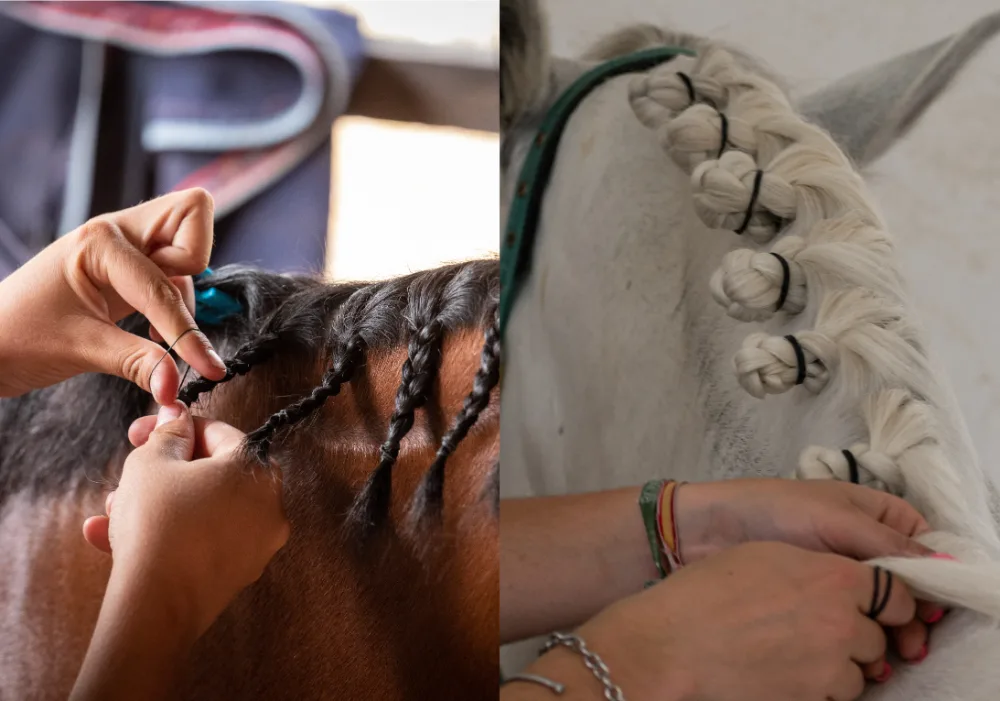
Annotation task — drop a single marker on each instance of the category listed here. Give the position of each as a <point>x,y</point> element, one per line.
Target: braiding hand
<point>758,622</point>
<point>822,516</point>
<point>190,521</point>
<point>58,312</point>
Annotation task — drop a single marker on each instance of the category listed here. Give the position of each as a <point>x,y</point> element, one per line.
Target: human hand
<point>758,622</point>
<point>820,515</point>
<point>189,518</point>
<point>58,311</point>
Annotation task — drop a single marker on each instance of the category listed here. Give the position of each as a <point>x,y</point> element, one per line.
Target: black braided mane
<point>47,437</point>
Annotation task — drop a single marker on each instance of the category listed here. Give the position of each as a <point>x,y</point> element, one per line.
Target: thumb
<point>114,351</point>
<point>173,436</point>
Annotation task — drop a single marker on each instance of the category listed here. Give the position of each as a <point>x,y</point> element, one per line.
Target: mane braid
<point>419,370</point>
<point>257,351</point>
<point>429,497</point>
<point>345,365</point>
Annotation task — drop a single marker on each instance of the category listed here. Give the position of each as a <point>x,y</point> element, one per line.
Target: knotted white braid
<point>871,333</point>
<point>753,126</point>
<point>841,251</point>
<point>800,183</point>
<point>862,333</point>
<point>897,422</point>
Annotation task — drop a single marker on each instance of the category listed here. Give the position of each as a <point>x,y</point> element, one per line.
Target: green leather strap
<point>522,222</point>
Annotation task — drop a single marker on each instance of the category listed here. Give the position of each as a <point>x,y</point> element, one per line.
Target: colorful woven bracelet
<point>649,506</point>
<point>666,525</point>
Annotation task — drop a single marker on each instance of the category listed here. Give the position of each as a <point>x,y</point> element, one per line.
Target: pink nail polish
<point>934,617</point>
<point>944,556</point>
<point>921,656</point>
<point>886,674</point>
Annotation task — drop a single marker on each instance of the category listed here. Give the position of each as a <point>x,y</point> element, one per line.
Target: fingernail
<point>216,360</point>
<point>886,673</point>
<point>934,617</point>
<point>169,413</point>
<point>157,380</point>
<point>944,556</point>
<point>920,655</point>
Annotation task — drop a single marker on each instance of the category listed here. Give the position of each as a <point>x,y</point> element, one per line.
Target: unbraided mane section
<point>759,170</point>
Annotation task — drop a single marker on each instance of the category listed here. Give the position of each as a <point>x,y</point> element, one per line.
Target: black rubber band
<point>885,595</point>
<point>689,85</point>
<point>724,137</point>
<point>852,465</point>
<point>166,353</point>
<point>875,592</point>
<point>753,201</point>
<point>786,281</point>
<point>800,359</point>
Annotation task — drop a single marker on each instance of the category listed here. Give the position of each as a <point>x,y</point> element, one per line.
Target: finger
<point>900,607</point>
<point>109,502</point>
<point>184,285</point>
<point>138,432</point>
<point>863,537</point>
<point>106,348</point>
<point>890,510</point>
<point>868,645</point>
<point>211,437</point>
<point>175,230</point>
<point>147,290</point>
<point>874,670</point>
<point>911,641</point>
<point>214,438</point>
<point>173,437</point>
<point>849,685</point>
<point>929,612</point>
<point>95,532</point>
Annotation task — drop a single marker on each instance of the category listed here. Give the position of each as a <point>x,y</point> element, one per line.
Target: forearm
<point>141,640</point>
<point>563,559</point>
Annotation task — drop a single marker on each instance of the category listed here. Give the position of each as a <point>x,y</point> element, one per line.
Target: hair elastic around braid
<point>246,357</point>
<point>427,502</point>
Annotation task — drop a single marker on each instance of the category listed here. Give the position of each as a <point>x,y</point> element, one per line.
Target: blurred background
<point>938,187</point>
<point>356,138</point>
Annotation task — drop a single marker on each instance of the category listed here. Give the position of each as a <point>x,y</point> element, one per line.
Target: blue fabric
<point>209,118</point>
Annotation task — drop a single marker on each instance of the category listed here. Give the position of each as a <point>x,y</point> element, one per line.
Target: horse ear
<point>524,58</point>
<point>866,112</point>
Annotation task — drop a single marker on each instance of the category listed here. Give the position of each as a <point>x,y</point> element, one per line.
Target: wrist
<point>705,525</point>
<point>137,585</point>
<point>642,668</point>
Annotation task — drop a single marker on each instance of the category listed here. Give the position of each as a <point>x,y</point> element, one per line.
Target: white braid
<point>800,183</point>
<point>842,251</point>
<point>897,422</point>
<point>841,261</point>
<point>864,335</point>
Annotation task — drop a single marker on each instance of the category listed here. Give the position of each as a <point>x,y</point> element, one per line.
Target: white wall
<point>939,188</point>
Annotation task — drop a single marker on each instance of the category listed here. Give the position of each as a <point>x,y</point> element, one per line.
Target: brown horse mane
<point>49,435</point>
<point>407,611</point>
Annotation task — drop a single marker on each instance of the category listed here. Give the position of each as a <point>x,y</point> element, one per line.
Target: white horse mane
<point>864,339</point>
<point>613,369</point>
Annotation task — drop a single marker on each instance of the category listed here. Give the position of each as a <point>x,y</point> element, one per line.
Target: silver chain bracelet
<point>612,692</point>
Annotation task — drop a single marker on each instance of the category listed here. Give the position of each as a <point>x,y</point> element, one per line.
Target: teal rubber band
<point>647,507</point>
